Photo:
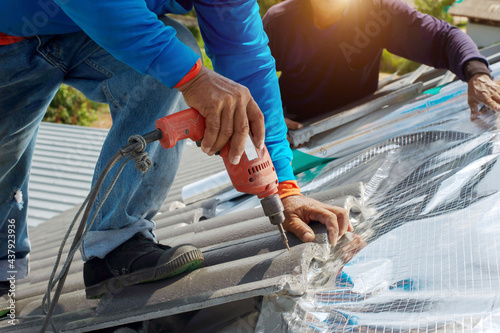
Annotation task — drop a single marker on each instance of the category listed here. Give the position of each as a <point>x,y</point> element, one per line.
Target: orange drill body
<point>254,174</point>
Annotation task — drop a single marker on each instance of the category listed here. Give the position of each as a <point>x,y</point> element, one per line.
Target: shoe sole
<point>185,262</point>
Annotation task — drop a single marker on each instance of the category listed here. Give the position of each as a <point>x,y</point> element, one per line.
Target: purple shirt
<point>323,70</point>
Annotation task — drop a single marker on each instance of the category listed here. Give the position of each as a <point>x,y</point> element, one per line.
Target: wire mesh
<point>426,257</point>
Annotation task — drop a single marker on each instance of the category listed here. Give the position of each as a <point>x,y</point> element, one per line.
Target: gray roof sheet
<point>244,257</point>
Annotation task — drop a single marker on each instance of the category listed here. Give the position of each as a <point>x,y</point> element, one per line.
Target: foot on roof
<point>136,261</point>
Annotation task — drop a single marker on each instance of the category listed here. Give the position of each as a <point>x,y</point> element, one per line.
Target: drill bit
<point>273,208</point>
<point>283,236</point>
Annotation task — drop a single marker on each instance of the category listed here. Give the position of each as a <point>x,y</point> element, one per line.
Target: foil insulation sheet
<point>425,252</point>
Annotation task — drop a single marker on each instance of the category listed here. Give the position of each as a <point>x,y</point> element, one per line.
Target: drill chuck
<point>273,208</point>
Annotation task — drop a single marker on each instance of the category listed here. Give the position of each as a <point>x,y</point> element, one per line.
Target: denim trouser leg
<point>22,71</point>
<point>136,101</point>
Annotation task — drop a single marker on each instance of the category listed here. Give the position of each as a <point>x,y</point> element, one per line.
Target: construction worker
<point>144,67</point>
<point>329,52</point>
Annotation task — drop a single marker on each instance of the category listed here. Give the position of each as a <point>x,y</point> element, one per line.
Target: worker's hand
<point>293,125</point>
<point>229,110</point>
<point>301,210</point>
<point>483,91</point>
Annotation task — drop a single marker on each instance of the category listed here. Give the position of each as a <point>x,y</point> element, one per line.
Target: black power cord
<point>133,150</point>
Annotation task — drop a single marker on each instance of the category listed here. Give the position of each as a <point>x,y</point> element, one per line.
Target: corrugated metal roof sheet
<point>488,10</point>
<point>63,166</point>
<point>62,169</point>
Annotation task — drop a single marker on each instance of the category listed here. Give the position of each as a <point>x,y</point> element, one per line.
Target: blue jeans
<point>31,72</point>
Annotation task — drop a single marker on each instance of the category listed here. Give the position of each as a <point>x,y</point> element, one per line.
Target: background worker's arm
<point>425,39</point>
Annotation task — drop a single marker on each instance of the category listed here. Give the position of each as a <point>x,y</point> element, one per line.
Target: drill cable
<point>134,150</point>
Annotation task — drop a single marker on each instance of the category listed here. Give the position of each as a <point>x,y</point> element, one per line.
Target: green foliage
<point>264,5</point>
<point>197,35</point>
<point>70,106</point>
<point>391,63</point>
<point>436,8</point>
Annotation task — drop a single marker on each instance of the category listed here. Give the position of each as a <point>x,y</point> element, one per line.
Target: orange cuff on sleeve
<point>190,75</point>
<point>288,188</point>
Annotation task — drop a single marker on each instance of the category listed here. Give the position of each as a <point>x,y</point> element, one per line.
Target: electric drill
<point>254,174</point>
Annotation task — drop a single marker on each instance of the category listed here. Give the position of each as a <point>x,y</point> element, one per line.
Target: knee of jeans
<point>183,33</point>
<point>17,199</point>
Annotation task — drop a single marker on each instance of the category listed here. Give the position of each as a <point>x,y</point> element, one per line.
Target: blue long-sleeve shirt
<point>130,30</point>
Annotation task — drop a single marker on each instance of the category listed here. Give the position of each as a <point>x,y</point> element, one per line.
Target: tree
<point>70,106</point>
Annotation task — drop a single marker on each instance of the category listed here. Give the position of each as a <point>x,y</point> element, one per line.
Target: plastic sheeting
<point>426,252</point>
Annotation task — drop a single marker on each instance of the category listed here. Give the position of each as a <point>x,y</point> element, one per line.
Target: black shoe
<point>138,260</point>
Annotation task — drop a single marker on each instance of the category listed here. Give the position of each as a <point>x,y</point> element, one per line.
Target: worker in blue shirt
<point>121,53</point>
